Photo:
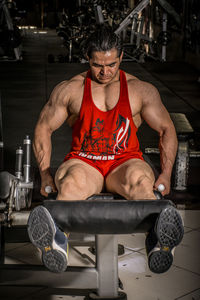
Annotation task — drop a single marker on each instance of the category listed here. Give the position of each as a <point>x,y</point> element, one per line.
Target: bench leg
<point>107,268</point>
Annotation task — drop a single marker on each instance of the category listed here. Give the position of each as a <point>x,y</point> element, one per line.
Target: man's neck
<point>115,78</point>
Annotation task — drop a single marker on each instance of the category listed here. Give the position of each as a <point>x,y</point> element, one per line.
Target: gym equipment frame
<point>101,216</point>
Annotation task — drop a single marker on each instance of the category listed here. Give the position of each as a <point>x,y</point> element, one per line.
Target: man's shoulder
<point>140,89</point>
<point>130,77</point>
<point>78,79</point>
<point>75,82</point>
<point>135,81</point>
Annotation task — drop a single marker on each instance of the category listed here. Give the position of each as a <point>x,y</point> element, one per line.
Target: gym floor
<point>25,87</point>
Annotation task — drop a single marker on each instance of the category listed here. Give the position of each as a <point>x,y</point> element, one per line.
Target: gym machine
<point>141,32</point>
<point>101,216</point>
<point>184,133</point>
<point>10,36</point>
<point>16,191</point>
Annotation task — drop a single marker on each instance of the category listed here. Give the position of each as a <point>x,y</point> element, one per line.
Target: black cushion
<point>181,123</point>
<point>106,216</point>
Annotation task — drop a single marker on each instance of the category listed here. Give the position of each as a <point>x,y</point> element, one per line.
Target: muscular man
<point>104,106</point>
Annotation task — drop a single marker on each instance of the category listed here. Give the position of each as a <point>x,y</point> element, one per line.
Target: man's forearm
<point>168,147</point>
<point>42,150</point>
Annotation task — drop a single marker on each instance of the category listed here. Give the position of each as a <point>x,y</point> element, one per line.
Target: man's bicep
<point>54,112</point>
<point>53,116</point>
<point>154,112</point>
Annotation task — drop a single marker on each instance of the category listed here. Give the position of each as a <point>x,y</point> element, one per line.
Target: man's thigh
<point>129,174</point>
<point>81,175</point>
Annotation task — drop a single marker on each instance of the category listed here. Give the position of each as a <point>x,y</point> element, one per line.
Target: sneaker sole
<point>169,230</point>
<point>41,231</point>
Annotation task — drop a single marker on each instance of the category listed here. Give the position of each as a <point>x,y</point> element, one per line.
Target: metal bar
<point>17,53</point>
<point>164,47</point>
<point>7,16</point>
<point>36,275</point>
<point>19,218</point>
<point>127,20</point>
<point>140,30</point>
<point>98,14</point>
<point>133,28</point>
<point>70,51</point>
<point>18,163</point>
<point>152,151</point>
<point>80,239</point>
<point>27,159</point>
<point>192,153</point>
<point>107,265</point>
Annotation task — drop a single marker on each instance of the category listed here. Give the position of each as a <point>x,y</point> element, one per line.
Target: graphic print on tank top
<point>102,142</point>
<point>101,135</point>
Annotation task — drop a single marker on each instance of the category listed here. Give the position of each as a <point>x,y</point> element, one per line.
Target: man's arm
<point>157,117</point>
<point>51,117</point>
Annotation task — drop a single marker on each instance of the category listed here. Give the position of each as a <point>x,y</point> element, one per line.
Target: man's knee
<point>72,183</point>
<point>139,185</point>
<point>68,186</point>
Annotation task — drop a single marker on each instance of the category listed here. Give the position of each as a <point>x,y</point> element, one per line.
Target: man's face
<point>104,65</point>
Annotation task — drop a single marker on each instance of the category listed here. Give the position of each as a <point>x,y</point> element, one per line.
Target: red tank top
<point>99,134</point>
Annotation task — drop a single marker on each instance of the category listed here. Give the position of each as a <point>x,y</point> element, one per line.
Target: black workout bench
<point>101,218</point>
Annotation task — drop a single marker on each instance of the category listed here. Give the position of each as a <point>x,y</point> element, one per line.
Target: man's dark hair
<point>102,39</point>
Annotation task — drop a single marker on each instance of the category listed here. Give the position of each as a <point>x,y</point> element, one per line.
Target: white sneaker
<point>51,241</point>
<point>161,242</point>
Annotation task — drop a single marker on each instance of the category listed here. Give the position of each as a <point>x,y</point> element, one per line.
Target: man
<point>104,106</point>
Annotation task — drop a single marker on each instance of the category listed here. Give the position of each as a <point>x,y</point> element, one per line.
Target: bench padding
<point>181,124</point>
<point>106,216</point>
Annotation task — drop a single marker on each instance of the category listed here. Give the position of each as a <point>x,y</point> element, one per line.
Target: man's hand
<point>165,180</point>
<point>47,180</point>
